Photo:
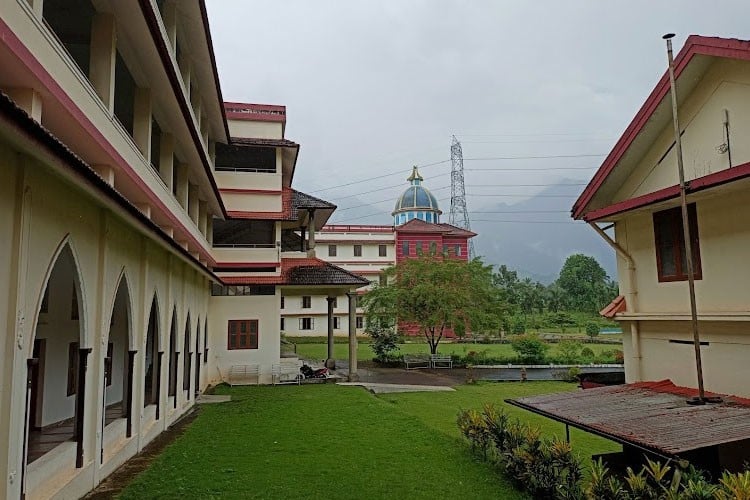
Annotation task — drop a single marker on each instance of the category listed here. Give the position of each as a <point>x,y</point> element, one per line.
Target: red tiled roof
<point>614,307</point>
<point>650,415</point>
<point>302,271</point>
<point>694,45</point>
<point>420,226</point>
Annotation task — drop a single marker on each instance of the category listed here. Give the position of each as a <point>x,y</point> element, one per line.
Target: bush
<point>384,342</point>
<point>619,356</point>
<point>530,348</point>
<point>592,329</point>
<point>569,351</point>
<point>518,326</point>
<point>587,354</point>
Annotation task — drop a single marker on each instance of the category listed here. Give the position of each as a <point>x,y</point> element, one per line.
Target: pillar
<point>193,202</point>
<point>169,17</point>
<point>102,58</point>
<point>157,374</point>
<point>210,228</point>
<point>353,375</point>
<point>106,172</point>
<point>302,239</point>
<point>83,359</point>
<point>129,399</point>
<point>181,180</point>
<point>166,160</point>
<point>330,362</point>
<point>184,63</point>
<point>212,152</point>
<point>311,222</point>
<point>142,122</point>
<point>27,99</point>
<point>202,216</point>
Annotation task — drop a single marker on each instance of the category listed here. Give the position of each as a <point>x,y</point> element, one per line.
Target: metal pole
<point>685,222</point>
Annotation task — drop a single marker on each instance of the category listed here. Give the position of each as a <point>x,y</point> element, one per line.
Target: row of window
<point>419,248</point>
<point>382,250</point>
<point>307,301</point>
<point>309,323</point>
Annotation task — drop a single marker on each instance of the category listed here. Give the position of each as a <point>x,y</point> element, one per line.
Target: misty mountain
<point>535,248</point>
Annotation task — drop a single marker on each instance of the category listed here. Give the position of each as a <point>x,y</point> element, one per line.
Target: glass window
<point>306,323</point>
<point>306,302</point>
<point>332,250</point>
<point>671,257</point>
<point>360,322</point>
<point>242,334</point>
<point>358,250</point>
<point>404,248</point>
<point>382,250</point>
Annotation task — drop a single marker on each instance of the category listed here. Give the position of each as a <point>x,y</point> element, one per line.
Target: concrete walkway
<point>205,399</point>
<point>377,388</point>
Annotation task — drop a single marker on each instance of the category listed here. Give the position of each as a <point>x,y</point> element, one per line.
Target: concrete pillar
<point>210,228</point>
<point>212,152</point>
<point>169,17</point>
<point>27,99</point>
<point>330,362</point>
<point>193,202</point>
<point>311,237</point>
<point>181,179</point>
<point>166,159</point>
<point>102,58</point>
<point>145,208</point>
<point>353,375</point>
<point>302,239</point>
<point>195,102</point>
<point>184,63</point>
<point>106,172</point>
<point>142,122</point>
<point>202,217</point>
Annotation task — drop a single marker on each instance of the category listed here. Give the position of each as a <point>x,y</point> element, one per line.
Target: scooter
<point>308,372</point>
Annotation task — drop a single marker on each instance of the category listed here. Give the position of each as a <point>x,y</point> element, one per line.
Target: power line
<point>487,195</point>
<point>519,212</point>
<point>511,169</point>
<point>536,157</point>
<point>527,185</point>
<point>388,187</point>
<point>389,200</point>
<point>394,172</point>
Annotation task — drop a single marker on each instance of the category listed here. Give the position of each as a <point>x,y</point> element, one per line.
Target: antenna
<point>459,214</point>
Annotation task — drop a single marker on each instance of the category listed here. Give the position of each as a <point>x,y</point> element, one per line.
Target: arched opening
<point>152,360</point>
<point>198,357</point>
<point>188,361</point>
<point>57,368</point>
<point>174,354</point>
<point>118,362</point>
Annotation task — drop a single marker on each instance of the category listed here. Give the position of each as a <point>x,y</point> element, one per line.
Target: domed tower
<point>416,203</point>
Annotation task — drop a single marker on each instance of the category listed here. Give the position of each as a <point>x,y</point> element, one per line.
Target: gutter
<point>631,298</point>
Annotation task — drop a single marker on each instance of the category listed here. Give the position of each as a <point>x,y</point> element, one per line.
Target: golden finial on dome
<point>415,175</point>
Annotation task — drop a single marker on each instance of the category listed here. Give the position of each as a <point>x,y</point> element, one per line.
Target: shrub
<point>587,354</point>
<point>518,327</point>
<point>619,356</point>
<point>384,342</point>
<point>592,329</point>
<point>530,348</point>
<point>569,351</point>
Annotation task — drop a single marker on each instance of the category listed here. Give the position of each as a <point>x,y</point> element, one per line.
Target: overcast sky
<point>373,87</point>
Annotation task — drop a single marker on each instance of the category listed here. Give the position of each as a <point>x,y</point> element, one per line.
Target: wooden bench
<point>244,374</point>
<point>438,361</point>
<point>415,362</point>
<point>286,373</point>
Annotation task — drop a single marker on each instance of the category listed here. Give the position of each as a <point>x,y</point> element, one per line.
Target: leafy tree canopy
<point>434,293</point>
<point>585,283</point>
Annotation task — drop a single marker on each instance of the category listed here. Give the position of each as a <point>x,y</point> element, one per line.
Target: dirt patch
<point>124,475</point>
<point>441,377</point>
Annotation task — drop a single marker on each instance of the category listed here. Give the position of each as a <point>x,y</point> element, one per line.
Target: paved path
<point>378,388</point>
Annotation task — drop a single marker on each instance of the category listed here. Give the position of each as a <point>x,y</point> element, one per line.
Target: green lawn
<point>320,441</point>
<point>364,352</point>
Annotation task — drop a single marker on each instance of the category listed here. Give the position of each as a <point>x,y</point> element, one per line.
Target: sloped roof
<point>293,202</point>
<point>694,46</point>
<point>650,415</point>
<point>420,226</point>
<point>254,141</point>
<point>309,271</point>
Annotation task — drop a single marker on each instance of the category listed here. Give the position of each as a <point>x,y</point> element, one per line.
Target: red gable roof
<point>420,226</point>
<point>695,45</point>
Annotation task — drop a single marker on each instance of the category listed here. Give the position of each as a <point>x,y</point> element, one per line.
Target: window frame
<point>359,322</point>
<point>382,250</point>
<point>672,218</point>
<point>248,344</point>
<point>310,320</point>
<point>358,250</point>
<point>307,302</point>
<point>332,251</point>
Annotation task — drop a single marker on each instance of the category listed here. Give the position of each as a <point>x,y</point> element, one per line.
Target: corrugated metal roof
<point>651,415</point>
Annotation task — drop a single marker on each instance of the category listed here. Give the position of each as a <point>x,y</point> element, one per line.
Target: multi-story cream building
<point>636,190</point>
<point>149,231</point>
<point>367,250</point>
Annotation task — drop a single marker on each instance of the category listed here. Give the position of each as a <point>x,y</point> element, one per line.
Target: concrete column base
<point>352,377</point>
<point>331,364</point>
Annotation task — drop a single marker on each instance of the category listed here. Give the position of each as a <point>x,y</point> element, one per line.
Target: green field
<point>364,352</point>
<point>317,441</point>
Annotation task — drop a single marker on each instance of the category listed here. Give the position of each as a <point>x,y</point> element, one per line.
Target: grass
<point>364,352</point>
<point>334,441</point>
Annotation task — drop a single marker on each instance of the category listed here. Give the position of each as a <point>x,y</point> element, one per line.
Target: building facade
<point>149,233</point>
<point>636,190</point>
<point>367,250</point>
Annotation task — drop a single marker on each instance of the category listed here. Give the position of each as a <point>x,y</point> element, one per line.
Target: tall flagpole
<point>686,226</point>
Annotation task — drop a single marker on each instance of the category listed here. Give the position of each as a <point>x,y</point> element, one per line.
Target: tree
<point>585,283</point>
<point>434,294</point>
<point>530,348</point>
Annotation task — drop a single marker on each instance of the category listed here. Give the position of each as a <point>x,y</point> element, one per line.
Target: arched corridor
<point>56,383</point>
<point>152,360</point>
<point>187,362</point>
<point>174,355</point>
<point>118,361</point>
